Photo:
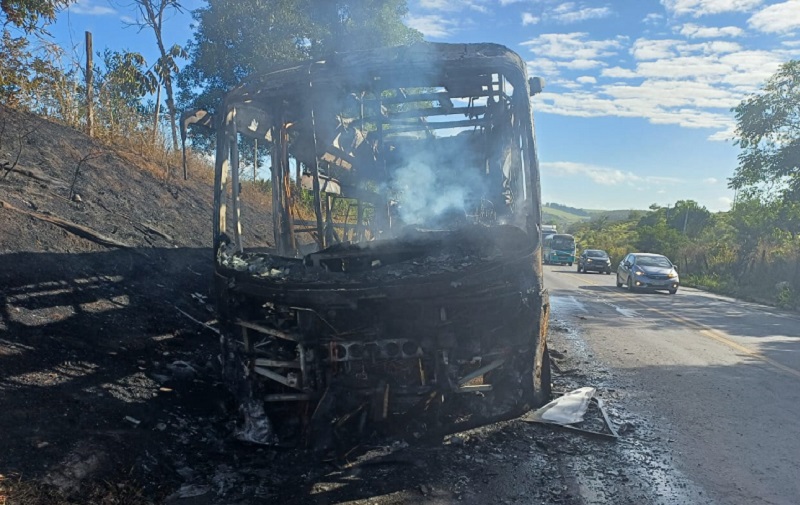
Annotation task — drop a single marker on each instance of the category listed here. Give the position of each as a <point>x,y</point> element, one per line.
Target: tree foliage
<point>236,38</point>
<point>124,80</point>
<point>38,81</point>
<point>15,69</point>
<point>753,250</point>
<point>152,14</point>
<point>768,133</point>
<point>30,15</point>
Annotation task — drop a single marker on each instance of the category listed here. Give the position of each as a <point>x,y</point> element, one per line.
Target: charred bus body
<point>416,301</point>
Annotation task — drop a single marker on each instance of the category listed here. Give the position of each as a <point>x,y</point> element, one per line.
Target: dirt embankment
<point>99,247</point>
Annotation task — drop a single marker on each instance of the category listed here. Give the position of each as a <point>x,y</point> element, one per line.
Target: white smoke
<point>428,188</point>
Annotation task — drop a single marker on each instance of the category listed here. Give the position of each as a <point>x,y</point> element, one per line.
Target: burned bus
<point>404,290</point>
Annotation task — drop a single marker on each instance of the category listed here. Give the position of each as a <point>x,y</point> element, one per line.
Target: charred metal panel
<point>420,307</point>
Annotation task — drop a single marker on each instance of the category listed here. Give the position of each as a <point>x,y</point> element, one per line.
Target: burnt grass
<point>110,386</point>
<point>101,375</point>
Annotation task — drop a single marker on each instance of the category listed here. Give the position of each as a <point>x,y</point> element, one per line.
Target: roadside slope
<point>90,331</point>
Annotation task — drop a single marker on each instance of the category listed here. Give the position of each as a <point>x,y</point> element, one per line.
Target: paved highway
<point>717,378</point>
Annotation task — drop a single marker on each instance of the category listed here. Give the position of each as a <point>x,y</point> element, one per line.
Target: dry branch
<point>10,166</point>
<point>208,326</point>
<point>94,153</point>
<point>71,227</point>
<point>32,173</point>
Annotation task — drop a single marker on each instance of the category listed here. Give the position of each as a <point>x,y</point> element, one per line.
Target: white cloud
<point>598,174</point>
<point>675,82</point>
<point>646,49</point>
<point>567,84</point>
<point>672,94</point>
<point>543,67</point>
<point>711,180</point>
<point>441,5</point>
<point>653,19</point>
<point>725,201</point>
<point>568,13</point>
<point>694,31</point>
<point>569,51</point>
<point>450,6</point>
<point>602,175</point>
<point>570,46</point>
<point>749,69</point>
<point>722,135</point>
<point>690,81</point>
<point>658,49</point>
<point>777,18</point>
<point>580,64</point>
<point>658,106</point>
<point>563,13</point>
<point>618,73</point>
<point>432,25</point>
<point>509,2</point>
<point>529,19</point>
<point>697,8</point>
<point>683,68</point>
<point>87,8</point>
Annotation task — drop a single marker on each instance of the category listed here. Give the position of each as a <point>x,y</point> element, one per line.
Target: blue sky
<point>636,109</point>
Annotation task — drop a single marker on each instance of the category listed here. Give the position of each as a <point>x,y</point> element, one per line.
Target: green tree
<point>661,239</point>
<point>237,38</point>
<point>121,85</point>
<point>689,217</point>
<point>768,134</point>
<point>38,81</point>
<point>15,68</point>
<point>30,15</point>
<point>18,19</point>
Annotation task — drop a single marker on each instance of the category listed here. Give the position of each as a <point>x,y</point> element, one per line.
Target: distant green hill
<point>614,215</point>
<point>560,216</point>
<point>563,216</point>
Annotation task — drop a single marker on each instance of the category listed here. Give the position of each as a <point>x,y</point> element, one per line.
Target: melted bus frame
<point>404,313</point>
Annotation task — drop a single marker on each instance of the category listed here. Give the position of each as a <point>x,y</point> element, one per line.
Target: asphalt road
<point>718,380</point>
<point>704,391</point>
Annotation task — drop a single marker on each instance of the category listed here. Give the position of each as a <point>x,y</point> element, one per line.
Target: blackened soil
<point>101,375</point>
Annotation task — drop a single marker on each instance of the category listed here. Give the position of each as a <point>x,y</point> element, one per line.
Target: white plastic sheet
<point>567,409</point>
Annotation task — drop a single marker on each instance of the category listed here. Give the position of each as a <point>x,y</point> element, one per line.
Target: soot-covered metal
<point>405,294</point>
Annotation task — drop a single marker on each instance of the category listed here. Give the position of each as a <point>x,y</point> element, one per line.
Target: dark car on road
<point>595,260</point>
<point>645,271</point>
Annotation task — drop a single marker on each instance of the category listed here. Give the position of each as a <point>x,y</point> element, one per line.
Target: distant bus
<point>548,229</point>
<point>558,249</point>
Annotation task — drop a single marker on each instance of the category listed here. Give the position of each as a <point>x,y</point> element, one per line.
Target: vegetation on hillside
<point>566,208</point>
<point>746,251</point>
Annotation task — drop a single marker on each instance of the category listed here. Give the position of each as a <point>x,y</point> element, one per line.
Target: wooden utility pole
<point>89,86</point>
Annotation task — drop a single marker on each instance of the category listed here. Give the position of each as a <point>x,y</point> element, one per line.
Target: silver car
<point>641,271</point>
